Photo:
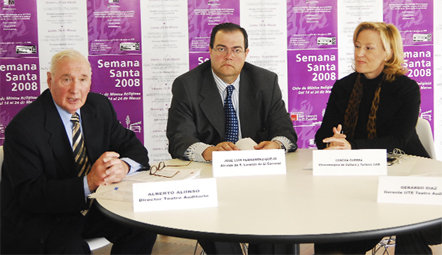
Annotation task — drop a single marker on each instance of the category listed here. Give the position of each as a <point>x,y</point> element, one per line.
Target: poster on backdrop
<point>165,57</point>
<point>61,25</point>
<point>19,63</point>
<point>414,19</point>
<point>350,14</point>
<point>266,26</point>
<point>114,32</point>
<point>203,16</point>
<point>172,37</point>
<point>312,64</point>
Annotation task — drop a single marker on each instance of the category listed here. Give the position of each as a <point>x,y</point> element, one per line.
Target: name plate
<point>350,162</point>
<point>248,162</point>
<point>410,190</point>
<point>168,195</point>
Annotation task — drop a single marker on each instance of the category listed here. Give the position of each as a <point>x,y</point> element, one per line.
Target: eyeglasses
<point>221,50</point>
<point>161,170</point>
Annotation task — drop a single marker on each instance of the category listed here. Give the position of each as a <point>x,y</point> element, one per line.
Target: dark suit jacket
<point>39,186</point>
<point>395,119</point>
<point>196,113</point>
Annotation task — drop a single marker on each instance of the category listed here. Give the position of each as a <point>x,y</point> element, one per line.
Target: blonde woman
<point>377,106</point>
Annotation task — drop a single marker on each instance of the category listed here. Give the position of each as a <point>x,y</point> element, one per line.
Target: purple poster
<point>115,54</point>
<point>19,86</point>
<point>414,19</point>
<point>419,61</point>
<point>18,28</point>
<point>114,27</point>
<point>203,16</point>
<point>19,63</point>
<point>312,60</point>
<point>120,79</point>
<point>311,24</point>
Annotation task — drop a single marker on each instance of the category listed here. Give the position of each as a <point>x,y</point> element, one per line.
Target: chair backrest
<point>423,130</point>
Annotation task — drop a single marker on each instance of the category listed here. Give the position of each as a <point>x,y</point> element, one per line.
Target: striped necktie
<point>230,117</point>
<point>82,164</point>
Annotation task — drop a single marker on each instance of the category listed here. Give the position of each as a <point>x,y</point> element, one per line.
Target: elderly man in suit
<point>223,100</point>
<point>58,150</point>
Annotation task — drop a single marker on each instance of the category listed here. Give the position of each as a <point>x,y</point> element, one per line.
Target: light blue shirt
<point>66,119</point>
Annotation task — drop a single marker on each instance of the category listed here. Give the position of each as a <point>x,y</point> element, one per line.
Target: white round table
<point>296,207</point>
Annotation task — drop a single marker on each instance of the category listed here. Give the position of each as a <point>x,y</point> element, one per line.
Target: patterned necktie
<point>82,164</point>
<point>230,117</point>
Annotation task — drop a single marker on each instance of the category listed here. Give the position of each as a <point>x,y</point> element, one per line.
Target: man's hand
<point>108,168</point>
<point>267,145</point>
<point>223,146</point>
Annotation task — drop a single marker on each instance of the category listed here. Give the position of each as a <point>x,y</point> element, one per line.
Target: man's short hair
<point>229,27</point>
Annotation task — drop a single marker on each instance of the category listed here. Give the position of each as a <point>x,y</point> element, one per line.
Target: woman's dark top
<point>395,119</point>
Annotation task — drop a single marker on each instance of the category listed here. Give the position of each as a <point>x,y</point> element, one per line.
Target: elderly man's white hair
<point>69,53</point>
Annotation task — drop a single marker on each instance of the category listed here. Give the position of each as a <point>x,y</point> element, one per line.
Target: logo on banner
<point>135,127</point>
<point>326,40</point>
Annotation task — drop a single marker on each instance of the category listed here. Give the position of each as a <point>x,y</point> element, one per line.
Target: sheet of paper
<point>246,144</point>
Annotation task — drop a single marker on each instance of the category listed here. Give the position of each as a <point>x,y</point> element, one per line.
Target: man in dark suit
<point>197,123</point>
<point>43,193</point>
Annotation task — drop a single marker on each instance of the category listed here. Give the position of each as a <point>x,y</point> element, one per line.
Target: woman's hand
<point>338,141</point>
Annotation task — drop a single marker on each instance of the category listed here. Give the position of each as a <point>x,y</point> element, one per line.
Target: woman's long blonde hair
<point>392,43</point>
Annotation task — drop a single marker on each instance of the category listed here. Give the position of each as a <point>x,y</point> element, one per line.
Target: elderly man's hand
<point>108,168</point>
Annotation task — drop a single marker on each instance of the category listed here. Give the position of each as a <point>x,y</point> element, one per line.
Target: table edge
<point>246,238</point>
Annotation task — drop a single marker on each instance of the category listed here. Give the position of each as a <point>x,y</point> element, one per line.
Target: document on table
<point>246,144</point>
<point>122,191</point>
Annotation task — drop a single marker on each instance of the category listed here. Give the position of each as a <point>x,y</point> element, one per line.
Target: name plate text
<point>248,163</point>
<point>350,162</point>
<point>410,190</point>
<point>168,195</point>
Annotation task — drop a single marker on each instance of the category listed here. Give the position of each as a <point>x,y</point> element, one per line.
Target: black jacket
<point>196,113</point>
<point>395,119</point>
<point>39,186</point>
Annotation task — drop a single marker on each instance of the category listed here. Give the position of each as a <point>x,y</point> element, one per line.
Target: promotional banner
<point>61,25</point>
<point>416,28</point>
<point>266,26</point>
<point>19,66</point>
<point>138,48</point>
<point>203,16</point>
<point>312,64</point>
<point>165,57</point>
<point>114,29</point>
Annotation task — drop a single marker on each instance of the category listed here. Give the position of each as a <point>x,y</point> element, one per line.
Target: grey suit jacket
<point>196,113</point>
<point>39,186</point>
